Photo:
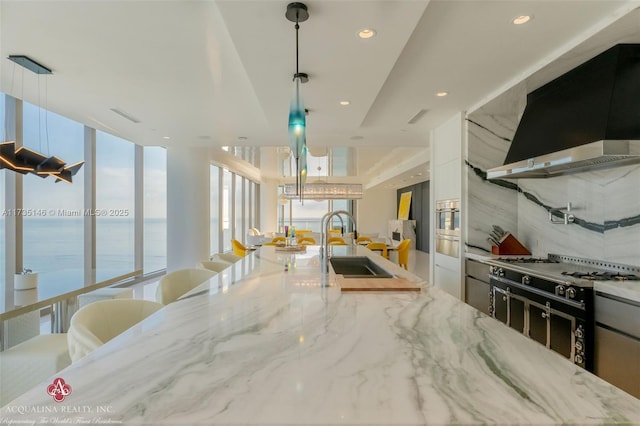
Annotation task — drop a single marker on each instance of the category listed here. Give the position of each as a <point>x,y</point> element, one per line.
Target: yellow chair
<point>279,239</point>
<point>335,231</point>
<point>270,243</point>
<point>382,247</point>
<point>302,232</point>
<point>306,241</point>
<point>403,253</point>
<point>364,239</point>
<point>336,241</point>
<point>238,248</point>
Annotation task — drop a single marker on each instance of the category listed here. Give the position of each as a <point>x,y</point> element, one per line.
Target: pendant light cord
<point>297,28</point>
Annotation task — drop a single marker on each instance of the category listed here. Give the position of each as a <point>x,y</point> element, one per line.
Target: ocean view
<point>52,244</point>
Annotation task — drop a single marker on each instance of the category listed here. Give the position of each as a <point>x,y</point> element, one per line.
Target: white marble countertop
<point>258,345</point>
<point>629,290</point>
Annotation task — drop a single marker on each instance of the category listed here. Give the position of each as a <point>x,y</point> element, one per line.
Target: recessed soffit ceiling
<point>206,73</point>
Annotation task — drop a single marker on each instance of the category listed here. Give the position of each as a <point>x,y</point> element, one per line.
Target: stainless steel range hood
<point>586,119</point>
<point>592,156</point>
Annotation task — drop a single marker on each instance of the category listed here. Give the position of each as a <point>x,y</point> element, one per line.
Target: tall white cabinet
<point>446,184</point>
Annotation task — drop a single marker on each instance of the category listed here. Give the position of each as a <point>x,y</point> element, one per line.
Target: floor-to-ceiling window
<point>345,222</point>
<point>2,236</point>
<point>53,226</point>
<point>304,215</point>
<point>155,208</point>
<point>227,201</point>
<point>247,205</point>
<point>3,131</point>
<point>115,193</point>
<point>214,209</point>
<point>239,229</point>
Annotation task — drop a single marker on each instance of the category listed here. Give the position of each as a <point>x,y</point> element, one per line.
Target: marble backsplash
<point>606,203</point>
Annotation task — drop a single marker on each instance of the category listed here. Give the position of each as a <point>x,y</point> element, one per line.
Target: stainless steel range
<point>551,300</point>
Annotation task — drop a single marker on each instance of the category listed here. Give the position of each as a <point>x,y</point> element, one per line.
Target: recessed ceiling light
<point>442,94</point>
<point>356,138</point>
<point>345,103</point>
<point>522,19</point>
<point>366,33</point>
<point>242,138</point>
<point>166,137</point>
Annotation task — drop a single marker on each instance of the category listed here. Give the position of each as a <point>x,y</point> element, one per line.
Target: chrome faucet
<point>324,235</point>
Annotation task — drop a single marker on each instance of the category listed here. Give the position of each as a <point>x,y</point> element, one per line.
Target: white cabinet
<point>447,277</point>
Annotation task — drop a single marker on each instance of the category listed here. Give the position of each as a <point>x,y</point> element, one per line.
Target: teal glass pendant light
<point>297,12</point>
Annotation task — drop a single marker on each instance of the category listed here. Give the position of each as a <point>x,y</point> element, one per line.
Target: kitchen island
<point>271,340</point>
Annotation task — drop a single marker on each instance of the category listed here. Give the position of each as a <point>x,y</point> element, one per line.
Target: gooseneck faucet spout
<point>324,237</point>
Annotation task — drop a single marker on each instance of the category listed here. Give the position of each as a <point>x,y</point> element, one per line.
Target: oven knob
<point>579,332</point>
<point>579,359</point>
<point>571,293</point>
<point>500,272</point>
<point>526,280</point>
<point>491,268</point>
<point>560,290</point>
<point>579,346</point>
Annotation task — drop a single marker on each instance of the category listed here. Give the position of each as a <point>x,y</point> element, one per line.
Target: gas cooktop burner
<point>603,276</point>
<point>526,260</point>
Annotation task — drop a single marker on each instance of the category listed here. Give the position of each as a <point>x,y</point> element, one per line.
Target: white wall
<point>188,196</point>
<point>375,209</point>
<point>446,183</point>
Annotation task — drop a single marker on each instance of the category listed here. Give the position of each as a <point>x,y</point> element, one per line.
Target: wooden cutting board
<point>376,284</point>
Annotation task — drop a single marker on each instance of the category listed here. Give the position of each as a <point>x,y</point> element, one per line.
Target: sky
<point>52,134</point>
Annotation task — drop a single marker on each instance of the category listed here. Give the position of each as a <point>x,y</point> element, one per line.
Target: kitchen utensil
<point>496,236</point>
<point>499,230</point>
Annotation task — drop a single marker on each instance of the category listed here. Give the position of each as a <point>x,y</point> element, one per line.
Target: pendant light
<point>297,12</point>
<point>24,160</point>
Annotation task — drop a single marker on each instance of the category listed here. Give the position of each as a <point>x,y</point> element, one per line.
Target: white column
<point>138,227</point>
<point>268,205</point>
<point>89,170</point>
<point>187,207</point>
<point>13,201</point>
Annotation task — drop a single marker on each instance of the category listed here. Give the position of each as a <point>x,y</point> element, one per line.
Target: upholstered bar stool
<point>213,265</point>
<point>226,257</point>
<point>31,362</point>
<point>104,294</point>
<point>176,283</point>
<point>97,323</point>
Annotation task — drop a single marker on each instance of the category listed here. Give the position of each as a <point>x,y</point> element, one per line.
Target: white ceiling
<point>206,73</point>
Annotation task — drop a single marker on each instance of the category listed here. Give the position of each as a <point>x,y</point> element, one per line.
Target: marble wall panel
<point>606,203</point>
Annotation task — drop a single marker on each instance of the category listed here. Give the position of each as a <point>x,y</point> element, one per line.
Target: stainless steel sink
<point>357,267</point>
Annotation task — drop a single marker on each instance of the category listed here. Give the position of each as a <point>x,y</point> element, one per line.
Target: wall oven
<point>447,223</point>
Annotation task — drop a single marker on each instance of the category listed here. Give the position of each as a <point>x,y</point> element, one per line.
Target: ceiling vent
<point>418,116</point>
<point>125,115</point>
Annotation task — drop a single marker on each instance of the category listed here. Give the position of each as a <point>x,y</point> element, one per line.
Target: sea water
<point>53,244</point>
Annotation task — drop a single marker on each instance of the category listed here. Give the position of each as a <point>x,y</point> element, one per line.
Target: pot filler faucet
<point>324,235</point>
